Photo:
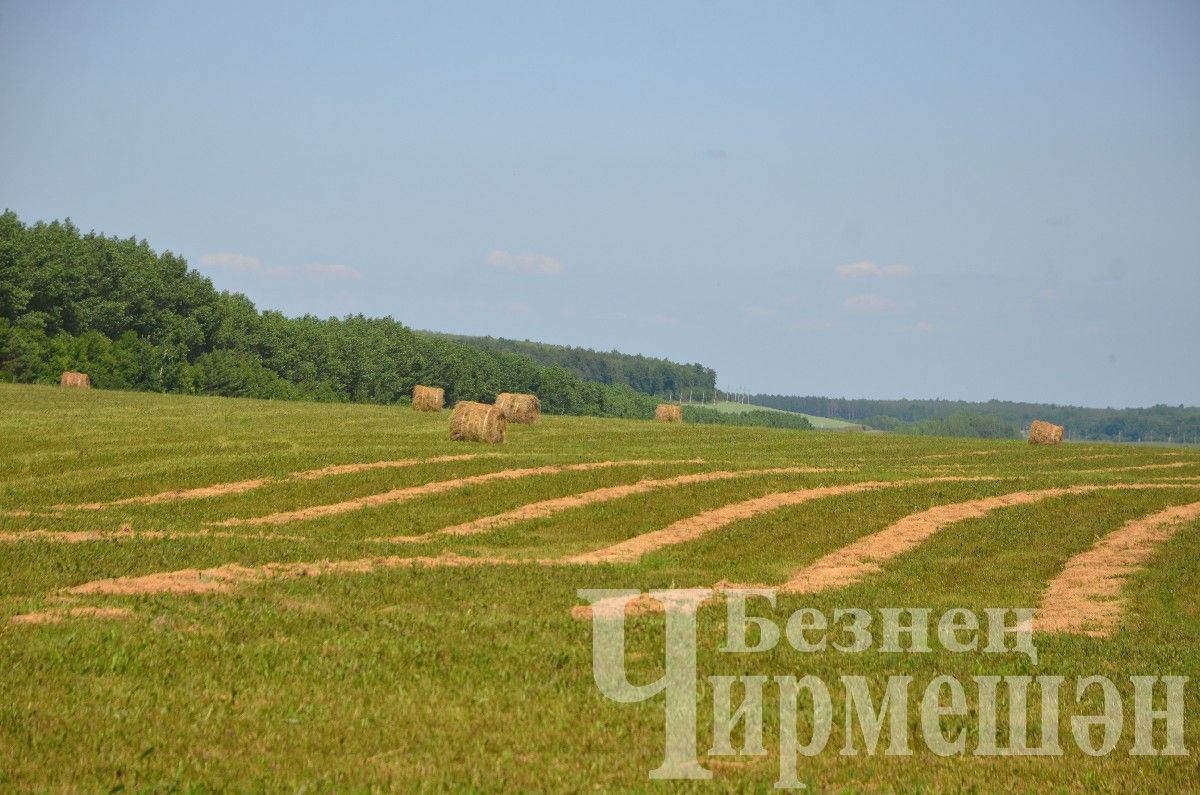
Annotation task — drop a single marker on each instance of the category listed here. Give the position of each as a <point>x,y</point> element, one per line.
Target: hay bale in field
<point>428,398</point>
<point>77,380</point>
<point>477,422</point>
<point>668,412</point>
<point>519,407</point>
<point>1045,433</point>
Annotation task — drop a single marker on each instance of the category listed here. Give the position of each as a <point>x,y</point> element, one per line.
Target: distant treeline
<point>135,319</point>
<point>1000,418</point>
<point>645,374</point>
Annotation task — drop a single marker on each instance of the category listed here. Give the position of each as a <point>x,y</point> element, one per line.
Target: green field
<point>385,675</point>
<point>820,423</point>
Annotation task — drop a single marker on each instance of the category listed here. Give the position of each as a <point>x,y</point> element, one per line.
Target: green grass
<point>821,423</point>
<point>477,678</point>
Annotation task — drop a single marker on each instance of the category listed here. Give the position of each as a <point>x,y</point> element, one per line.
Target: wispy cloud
<point>714,154</point>
<point>523,263</point>
<point>868,302</point>
<point>868,269</point>
<point>330,269</point>
<point>232,261</point>
<point>243,263</point>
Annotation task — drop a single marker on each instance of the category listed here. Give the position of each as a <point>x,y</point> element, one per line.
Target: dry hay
<point>222,579</point>
<point>477,422</point>
<point>519,407</point>
<point>434,487</point>
<point>1045,433</point>
<point>350,469</point>
<point>77,380</point>
<point>58,615</point>
<point>544,508</point>
<point>668,412</point>
<point>428,398</point>
<point>1173,465</point>
<point>865,556</point>
<point>127,533</point>
<point>237,487</point>
<point>680,601</point>
<point>1084,597</point>
<point>699,525</point>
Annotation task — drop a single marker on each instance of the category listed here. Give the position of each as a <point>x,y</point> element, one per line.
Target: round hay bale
<point>519,407</point>
<point>668,412</point>
<point>477,422</point>
<point>76,380</point>
<point>1045,433</point>
<point>428,398</point>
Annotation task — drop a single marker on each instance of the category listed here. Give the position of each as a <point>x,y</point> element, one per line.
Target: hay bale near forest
<point>477,422</point>
<point>428,398</point>
<point>668,412</point>
<point>1045,433</point>
<point>519,407</point>
<point>76,380</point>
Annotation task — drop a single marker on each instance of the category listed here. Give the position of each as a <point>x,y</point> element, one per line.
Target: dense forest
<point>135,319</point>
<point>662,377</point>
<point>1000,418</point>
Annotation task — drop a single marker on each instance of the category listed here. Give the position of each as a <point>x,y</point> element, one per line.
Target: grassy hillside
<point>823,423</point>
<point>386,674</point>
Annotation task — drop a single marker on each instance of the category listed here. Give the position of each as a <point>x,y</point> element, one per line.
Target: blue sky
<point>953,200</point>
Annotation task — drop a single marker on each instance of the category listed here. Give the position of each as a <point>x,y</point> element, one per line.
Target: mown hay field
<point>821,423</point>
<point>224,594</point>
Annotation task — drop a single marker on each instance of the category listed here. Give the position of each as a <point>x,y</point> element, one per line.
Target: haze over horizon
<point>918,201</point>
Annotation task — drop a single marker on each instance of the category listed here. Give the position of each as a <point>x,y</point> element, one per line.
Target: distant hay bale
<point>519,407</point>
<point>668,412</point>
<point>477,422</point>
<point>428,398</point>
<point>1045,433</point>
<point>77,380</point>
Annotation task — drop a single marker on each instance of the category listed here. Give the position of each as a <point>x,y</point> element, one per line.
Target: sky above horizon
<point>881,200</point>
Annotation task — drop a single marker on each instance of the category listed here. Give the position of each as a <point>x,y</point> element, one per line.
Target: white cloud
<point>523,263</point>
<point>868,302</point>
<point>327,269</point>
<point>244,263</point>
<point>923,326</point>
<point>866,268</point>
<point>231,261</point>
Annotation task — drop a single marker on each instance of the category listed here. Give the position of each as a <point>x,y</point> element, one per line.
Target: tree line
<point>999,418</point>
<point>646,374</point>
<point>133,318</point>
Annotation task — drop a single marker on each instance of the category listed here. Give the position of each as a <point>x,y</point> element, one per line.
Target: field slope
<point>214,593</point>
<point>821,423</point>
